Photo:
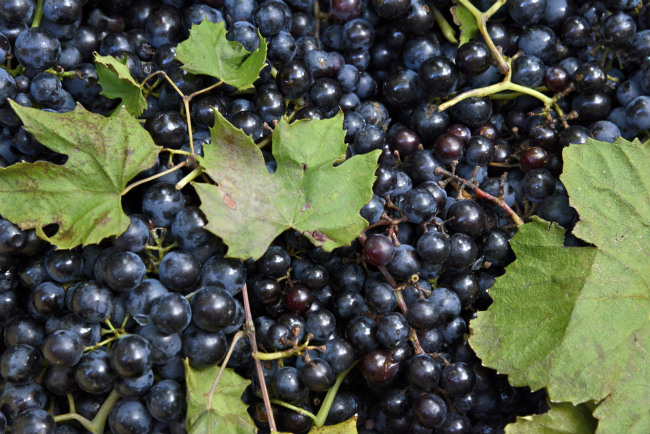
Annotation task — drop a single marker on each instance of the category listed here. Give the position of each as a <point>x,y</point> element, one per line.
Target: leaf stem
<point>302,411</point>
<point>152,177</point>
<point>207,89</point>
<point>38,14</point>
<point>446,28</point>
<point>189,178</point>
<point>213,389</point>
<point>325,407</point>
<point>250,330</point>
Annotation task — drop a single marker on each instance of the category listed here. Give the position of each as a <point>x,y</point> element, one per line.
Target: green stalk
<point>447,30</point>
<point>96,426</point>
<point>302,411</point>
<point>331,394</point>
<point>38,14</point>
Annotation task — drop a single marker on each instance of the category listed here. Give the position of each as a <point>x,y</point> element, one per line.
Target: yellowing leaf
<point>250,207</point>
<point>84,195</point>
<point>466,22</point>
<point>116,82</point>
<point>562,418</point>
<point>577,320</point>
<point>347,427</point>
<point>224,411</point>
<point>208,52</point>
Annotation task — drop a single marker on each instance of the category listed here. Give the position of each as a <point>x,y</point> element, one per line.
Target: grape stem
<point>480,194</point>
<point>446,28</point>
<point>297,350</point>
<point>101,344</point>
<point>95,426</point>
<point>505,85</point>
<point>413,337</point>
<point>250,330</point>
<point>38,14</point>
<point>325,407</point>
<point>302,411</point>
<point>481,20</point>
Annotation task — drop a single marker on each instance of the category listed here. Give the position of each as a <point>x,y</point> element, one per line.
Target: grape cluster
<point>101,332</point>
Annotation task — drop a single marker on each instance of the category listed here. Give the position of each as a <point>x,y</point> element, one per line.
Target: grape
<point>458,379</point>
<point>392,330</point>
<point>20,363</point>
<point>423,314</point>
<point>136,236</point>
<point>135,387</point>
<point>423,372</point>
<point>166,400</point>
<point>287,385</point>
<point>129,417</point>
<point>526,12</point>
<point>179,271</point>
<point>94,373</point>
<point>473,58</point>
<point>63,348</point>
<point>34,421</point>
<point>131,356</point>
<point>321,324</point>
<point>378,368</point>
<point>123,271</point>
<point>213,308</point>
<point>37,49</point>
<point>7,86</point>
<point>226,272</point>
<point>64,265</point>
<point>203,348</point>
<point>430,410</point>
<point>91,302</point>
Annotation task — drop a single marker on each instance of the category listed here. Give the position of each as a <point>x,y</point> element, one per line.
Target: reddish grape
<point>298,299</point>
<point>346,10</point>
<point>534,157</point>
<point>378,250</point>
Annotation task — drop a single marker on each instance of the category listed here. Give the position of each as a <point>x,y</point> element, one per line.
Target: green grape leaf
<point>576,320</point>
<point>466,22</point>
<point>83,196</point>
<point>250,207</point>
<point>220,412</point>
<point>347,427</point>
<point>208,52</point>
<point>562,418</point>
<point>116,82</point>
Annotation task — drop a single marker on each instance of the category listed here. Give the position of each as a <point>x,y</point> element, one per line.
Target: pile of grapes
<point>94,339</point>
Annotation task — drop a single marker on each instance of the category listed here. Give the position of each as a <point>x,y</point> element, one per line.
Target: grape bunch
<point>95,338</point>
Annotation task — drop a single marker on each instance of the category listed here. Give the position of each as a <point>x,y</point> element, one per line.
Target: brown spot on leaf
<point>227,200</point>
<point>304,166</point>
<point>320,237</point>
<point>305,207</point>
